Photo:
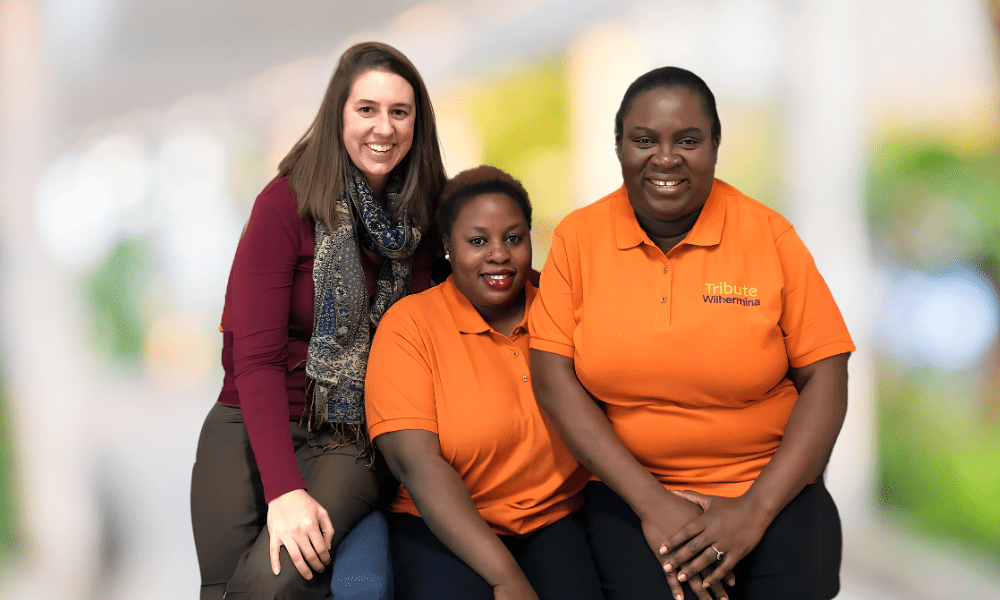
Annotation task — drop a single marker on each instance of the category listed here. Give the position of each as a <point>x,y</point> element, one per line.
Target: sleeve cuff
<point>820,353</point>
<point>566,350</point>
<point>283,485</point>
<point>391,425</point>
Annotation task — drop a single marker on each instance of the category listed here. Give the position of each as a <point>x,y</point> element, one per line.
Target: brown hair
<point>318,165</point>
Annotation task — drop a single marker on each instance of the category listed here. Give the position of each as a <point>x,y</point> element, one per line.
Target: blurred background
<point>134,137</point>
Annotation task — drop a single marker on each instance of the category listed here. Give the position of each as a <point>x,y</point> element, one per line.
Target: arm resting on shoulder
<point>414,457</point>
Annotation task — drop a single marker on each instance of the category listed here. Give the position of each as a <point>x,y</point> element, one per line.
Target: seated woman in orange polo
<point>683,340</point>
<point>489,501</point>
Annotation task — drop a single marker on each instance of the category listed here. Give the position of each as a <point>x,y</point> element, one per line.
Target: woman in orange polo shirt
<point>489,501</point>
<point>683,340</point>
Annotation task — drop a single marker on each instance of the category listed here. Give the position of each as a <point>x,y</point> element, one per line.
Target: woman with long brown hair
<point>343,231</point>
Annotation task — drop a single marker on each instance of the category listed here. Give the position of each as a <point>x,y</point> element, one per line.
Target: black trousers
<point>229,515</point>
<point>798,558</point>
<point>556,560</point>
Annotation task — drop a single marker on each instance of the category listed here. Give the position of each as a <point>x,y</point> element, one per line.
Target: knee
<point>255,580</point>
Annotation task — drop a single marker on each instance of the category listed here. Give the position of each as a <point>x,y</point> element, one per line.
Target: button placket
<point>516,353</point>
<point>666,269</point>
<point>664,299</point>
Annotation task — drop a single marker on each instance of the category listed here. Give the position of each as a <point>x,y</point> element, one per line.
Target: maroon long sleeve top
<point>266,324</point>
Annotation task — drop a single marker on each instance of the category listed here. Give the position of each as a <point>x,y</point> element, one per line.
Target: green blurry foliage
<point>941,468</point>
<point>933,207</point>
<point>523,111</point>
<point>115,290</point>
<point>9,530</point>
<point>523,118</point>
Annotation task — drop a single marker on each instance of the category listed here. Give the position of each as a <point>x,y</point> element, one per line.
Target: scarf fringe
<point>345,316</point>
<point>346,434</point>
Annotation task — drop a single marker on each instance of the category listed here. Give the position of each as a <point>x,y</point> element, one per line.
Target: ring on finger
<point>719,555</point>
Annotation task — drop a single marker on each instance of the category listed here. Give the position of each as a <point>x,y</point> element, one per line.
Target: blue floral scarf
<point>345,318</point>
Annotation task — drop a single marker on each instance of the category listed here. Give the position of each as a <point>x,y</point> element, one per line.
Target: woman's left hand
<point>734,526</point>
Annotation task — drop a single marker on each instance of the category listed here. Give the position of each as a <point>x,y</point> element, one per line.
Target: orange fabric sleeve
<point>552,320</point>
<point>406,400</point>
<point>812,325</point>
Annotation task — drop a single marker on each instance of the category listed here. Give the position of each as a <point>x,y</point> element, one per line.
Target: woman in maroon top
<point>344,231</point>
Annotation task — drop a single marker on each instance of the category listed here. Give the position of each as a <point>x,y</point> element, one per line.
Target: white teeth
<point>497,277</point>
<point>659,183</point>
<point>380,147</point>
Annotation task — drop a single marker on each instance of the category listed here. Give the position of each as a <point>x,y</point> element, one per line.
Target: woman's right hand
<point>670,517</point>
<point>296,521</point>
<point>518,589</point>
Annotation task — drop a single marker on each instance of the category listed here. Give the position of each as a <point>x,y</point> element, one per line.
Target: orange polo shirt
<point>689,350</point>
<point>436,365</point>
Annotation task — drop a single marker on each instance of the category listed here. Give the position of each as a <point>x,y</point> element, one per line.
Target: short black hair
<point>668,78</point>
<point>475,182</point>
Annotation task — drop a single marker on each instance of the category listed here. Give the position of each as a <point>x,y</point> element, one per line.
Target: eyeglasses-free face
<point>379,116</point>
<point>490,253</point>
<point>667,155</point>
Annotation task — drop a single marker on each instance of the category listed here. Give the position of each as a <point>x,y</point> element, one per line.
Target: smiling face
<point>378,124</point>
<point>490,249</point>
<point>668,155</point>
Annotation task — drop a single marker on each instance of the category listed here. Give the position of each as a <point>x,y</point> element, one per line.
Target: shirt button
<point>664,270</point>
<point>662,300</point>
<point>515,352</point>
<point>525,378</point>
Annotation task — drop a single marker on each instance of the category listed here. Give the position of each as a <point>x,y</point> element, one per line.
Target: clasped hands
<point>733,526</point>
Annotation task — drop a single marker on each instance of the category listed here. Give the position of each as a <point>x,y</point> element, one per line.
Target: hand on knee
<point>300,524</point>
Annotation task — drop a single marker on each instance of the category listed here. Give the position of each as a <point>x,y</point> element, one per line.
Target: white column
<point>48,412</point>
<point>603,61</point>
<point>827,140</point>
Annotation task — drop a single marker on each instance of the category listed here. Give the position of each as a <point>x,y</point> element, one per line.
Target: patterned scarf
<point>344,319</point>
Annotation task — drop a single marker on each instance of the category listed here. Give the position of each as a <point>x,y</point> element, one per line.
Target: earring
<point>447,256</point>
